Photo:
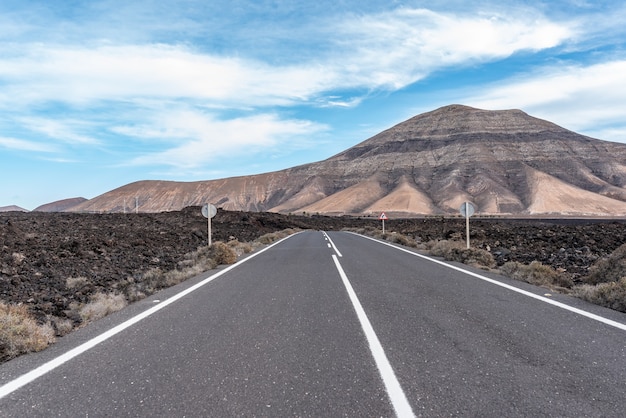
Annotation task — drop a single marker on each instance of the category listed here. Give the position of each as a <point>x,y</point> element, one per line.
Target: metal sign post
<point>209,211</point>
<point>382,217</point>
<point>467,210</point>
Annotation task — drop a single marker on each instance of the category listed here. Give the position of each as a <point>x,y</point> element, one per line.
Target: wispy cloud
<point>79,75</point>
<point>394,49</point>
<point>66,131</point>
<point>387,51</point>
<point>22,145</point>
<point>204,139</point>
<point>585,98</point>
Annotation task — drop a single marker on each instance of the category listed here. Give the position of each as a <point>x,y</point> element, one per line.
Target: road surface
<point>333,325</point>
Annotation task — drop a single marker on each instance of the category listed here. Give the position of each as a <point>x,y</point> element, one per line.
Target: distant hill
<point>12,208</point>
<point>60,205</point>
<point>505,162</point>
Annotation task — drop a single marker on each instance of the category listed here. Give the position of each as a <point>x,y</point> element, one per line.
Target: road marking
<point>26,378</point>
<point>394,390</point>
<point>508,286</point>
<point>332,243</point>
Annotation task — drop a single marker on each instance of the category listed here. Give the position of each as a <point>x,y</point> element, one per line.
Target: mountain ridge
<point>505,161</point>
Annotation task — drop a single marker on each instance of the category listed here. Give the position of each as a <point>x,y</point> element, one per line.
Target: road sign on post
<point>467,210</point>
<point>382,217</point>
<point>209,211</point>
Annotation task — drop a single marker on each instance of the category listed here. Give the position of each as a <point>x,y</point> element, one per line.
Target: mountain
<point>12,208</point>
<point>504,161</point>
<point>60,205</point>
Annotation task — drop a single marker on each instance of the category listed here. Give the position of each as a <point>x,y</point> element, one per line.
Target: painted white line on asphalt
<point>25,379</point>
<point>394,390</point>
<point>513,288</point>
<point>332,243</point>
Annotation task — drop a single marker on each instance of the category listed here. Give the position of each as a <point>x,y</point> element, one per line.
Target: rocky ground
<point>39,251</point>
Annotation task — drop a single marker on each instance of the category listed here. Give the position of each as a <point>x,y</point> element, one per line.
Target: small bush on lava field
<point>240,247</point>
<point>394,237</point>
<point>457,251</point>
<point>275,236</point>
<point>20,333</point>
<point>400,239</point>
<point>535,273</point>
<point>62,326</point>
<point>608,269</point>
<point>101,305</point>
<point>606,283</point>
<point>74,282</point>
<point>611,295</point>
<point>223,254</point>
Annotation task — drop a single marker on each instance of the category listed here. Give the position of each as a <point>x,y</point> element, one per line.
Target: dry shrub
<point>535,273</point>
<point>400,239</point>
<point>458,251</point>
<point>18,258</point>
<point>223,254</point>
<point>240,247</point>
<point>74,282</point>
<point>152,280</point>
<point>203,259</point>
<point>608,269</point>
<point>133,290</point>
<point>268,238</point>
<point>611,295</point>
<point>62,326</point>
<point>101,305</point>
<point>20,333</point>
<point>275,236</point>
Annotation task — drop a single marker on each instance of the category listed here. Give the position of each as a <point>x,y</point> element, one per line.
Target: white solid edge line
<point>332,243</point>
<point>394,390</point>
<point>26,378</point>
<point>507,286</point>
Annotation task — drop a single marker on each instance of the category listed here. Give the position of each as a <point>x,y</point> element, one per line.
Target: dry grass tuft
<point>457,251</point>
<point>18,258</point>
<point>275,236</point>
<point>608,269</point>
<point>101,305</point>
<point>400,239</point>
<point>74,282</point>
<point>62,326</point>
<point>536,273</point>
<point>606,283</point>
<point>20,333</point>
<point>223,253</point>
<point>611,295</point>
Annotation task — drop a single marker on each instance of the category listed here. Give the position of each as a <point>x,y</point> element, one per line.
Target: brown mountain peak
<point>449,121</point>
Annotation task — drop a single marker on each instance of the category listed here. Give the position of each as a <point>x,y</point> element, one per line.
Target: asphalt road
<point>333,325</point>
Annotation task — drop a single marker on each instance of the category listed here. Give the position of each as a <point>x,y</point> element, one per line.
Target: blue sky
<point>98,94</point>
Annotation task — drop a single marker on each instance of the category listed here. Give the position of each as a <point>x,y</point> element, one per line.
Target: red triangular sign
<point>382,216</point>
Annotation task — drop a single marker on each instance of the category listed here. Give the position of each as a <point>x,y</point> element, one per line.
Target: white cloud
<point>201,138</point>
<point>387,51</point>
<point>398,48</point>
<point>63,130</point>
<point>81,75</point>
<point>22,145</point>
<point>583,98</point>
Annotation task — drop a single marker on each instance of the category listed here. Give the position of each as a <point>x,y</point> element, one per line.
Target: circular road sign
<point>209,210</point>
<point>467,209</point>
